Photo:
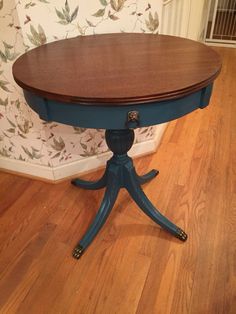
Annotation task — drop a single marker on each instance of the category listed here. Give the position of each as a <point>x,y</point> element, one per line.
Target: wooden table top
<point>117,69</point>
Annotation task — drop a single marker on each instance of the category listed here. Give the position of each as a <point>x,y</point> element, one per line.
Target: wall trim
<point>79,167</point>
<point>220,44</point>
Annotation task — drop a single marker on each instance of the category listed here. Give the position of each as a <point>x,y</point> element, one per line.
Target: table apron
<point>103,116</point>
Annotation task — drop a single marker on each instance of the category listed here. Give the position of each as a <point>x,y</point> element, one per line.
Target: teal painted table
<point>118,82</point>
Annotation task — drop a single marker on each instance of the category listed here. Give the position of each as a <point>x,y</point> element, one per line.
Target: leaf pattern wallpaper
<point>26,24</point>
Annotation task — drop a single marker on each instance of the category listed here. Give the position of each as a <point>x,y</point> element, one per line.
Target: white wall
<point>183,18</point>
<point>196,22</point>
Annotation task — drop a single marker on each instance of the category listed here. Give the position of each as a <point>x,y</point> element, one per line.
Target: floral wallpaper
<point>25,24</point>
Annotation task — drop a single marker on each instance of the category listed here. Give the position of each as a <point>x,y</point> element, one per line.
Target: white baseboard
<point>26,169</point>
<point>221,44</point>
<point>80,166</point>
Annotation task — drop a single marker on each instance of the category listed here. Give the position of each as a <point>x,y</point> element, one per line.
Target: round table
<point>118,82</point>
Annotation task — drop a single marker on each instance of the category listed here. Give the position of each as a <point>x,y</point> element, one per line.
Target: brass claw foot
<point>78,251</point>
<point>181,235</point>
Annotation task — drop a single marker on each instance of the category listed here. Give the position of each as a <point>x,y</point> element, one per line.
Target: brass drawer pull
<point>132,119</point>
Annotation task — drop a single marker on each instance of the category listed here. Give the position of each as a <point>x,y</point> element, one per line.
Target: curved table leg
<point>102,214</point>
<point>91,185</point>
<point>148,176</point>
<point>136,192</point>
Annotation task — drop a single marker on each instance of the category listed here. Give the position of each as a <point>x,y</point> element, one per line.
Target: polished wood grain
<point>117,68</point>
<point>133,266</point>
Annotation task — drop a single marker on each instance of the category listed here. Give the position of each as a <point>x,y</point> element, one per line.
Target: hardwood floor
<point>132,266</point>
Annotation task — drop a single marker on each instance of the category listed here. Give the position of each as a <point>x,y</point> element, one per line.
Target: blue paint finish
<point>120,173</point>
<point>115,117</point>
<point>205,96</point>
<point>148,176</point>
<point>91,185</point>
<point>104,210</point>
